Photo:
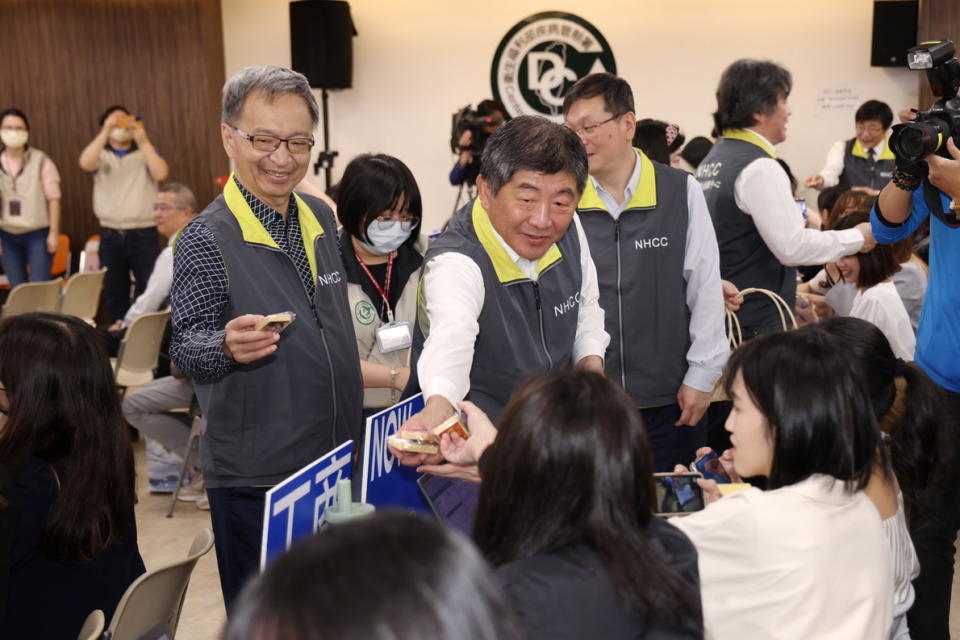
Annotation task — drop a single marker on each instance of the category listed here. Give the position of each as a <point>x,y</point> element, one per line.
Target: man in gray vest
<point>761,235</point>
<point>864,161</point>
<point>658,267</point>
<point>509,289</point>
<point>272,402</point>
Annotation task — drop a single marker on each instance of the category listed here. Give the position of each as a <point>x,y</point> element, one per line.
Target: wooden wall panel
<point>65,61</point>
<point>938,20</point>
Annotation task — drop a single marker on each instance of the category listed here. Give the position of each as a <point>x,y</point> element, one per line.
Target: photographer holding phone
<point>272,402</point>
<point>814,535</point>
<point>126,170</point>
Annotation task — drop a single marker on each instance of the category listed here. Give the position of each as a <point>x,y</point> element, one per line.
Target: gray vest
<point>639,260</point>
<point>745,259</point>
<point>267,419</point>
<point>526,327</point>
<point>860,171</point>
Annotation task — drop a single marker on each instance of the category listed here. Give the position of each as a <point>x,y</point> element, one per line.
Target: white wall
<point>416,62</point>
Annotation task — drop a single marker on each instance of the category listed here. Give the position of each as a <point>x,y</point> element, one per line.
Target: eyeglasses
<point>874,129</point>
<point>159,208</point>
<point>269,144</point>
<point>406,221</point>
<point>590,128</point>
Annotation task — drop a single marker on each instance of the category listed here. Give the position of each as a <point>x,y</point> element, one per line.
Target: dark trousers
<point>237,517</point>
<point>934,533</point>
<point>671,444</point>
<point>123,252</point>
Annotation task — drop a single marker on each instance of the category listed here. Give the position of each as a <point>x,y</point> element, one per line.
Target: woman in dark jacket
<point>66,445</point>
<point>566,516</point>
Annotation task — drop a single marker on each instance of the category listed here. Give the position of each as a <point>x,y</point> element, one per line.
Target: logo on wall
<point>541,57</point>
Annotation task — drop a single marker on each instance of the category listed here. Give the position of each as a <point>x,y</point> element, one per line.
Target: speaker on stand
<point>321,48</point>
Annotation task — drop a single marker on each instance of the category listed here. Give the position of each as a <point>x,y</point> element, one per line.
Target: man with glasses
<point>864,161</point>
<point>658,267</point>
<point>272,402</point>
<point>509,290</point>
<point>174,206</point>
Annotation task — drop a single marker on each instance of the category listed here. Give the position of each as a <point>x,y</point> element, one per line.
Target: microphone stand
<point>326,156</point>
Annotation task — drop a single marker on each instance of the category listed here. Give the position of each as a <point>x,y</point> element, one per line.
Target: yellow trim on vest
<point>310,230</point>
<point>749,136</point>
<point>507,270</point>
<point>859,152</point>
<point>255,233</point>
<point>643,197</point>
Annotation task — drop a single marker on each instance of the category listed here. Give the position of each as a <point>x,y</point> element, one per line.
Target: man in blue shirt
<point>916,193</point>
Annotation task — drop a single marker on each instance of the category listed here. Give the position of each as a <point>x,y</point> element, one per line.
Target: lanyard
<point>383,291</point>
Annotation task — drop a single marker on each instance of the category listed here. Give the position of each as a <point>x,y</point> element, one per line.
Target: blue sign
<point>387,483</point>
<point>295,507</point>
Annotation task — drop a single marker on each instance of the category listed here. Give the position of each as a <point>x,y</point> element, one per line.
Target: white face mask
<point>385,238</point>
<point>121,135</point>
<point>14,138</point>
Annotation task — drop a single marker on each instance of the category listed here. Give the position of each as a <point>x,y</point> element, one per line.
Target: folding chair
<point>33,296</point>
<point>156,598</point>
<point>81,296</point>
<point>93,626</point>
<point>140,350</point>
<point>60,264</point>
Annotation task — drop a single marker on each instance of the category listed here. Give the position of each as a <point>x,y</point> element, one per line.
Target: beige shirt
<point>124,191</point>
<point>805,561</point>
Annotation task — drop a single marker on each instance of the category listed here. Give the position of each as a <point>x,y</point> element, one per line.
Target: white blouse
<point>881,305</point>
<point>805,561</point>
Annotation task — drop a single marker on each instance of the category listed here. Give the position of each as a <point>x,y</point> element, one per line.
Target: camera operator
<point>467,167</point>
<point>925,186</point>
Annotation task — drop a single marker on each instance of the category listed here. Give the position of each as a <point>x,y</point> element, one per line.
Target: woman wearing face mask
<point>379,207</point>
<point>29,203</point>
<point>126,170</point>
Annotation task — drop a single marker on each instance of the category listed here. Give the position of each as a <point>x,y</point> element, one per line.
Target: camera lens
<point>916,140</point>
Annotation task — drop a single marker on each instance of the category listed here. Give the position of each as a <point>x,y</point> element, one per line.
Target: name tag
<point>394,336</point>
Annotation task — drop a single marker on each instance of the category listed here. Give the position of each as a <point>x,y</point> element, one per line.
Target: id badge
<point>394,336</point>
<point>14,208</point>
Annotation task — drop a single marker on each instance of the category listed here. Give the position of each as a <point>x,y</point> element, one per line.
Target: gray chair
<point>155,599</point>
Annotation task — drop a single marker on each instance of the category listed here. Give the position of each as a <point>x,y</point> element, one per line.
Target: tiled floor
<point>164,539</point>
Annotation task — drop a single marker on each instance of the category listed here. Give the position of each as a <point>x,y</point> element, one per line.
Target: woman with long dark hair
<point>565,515</point>
<point>807,558</point>
<point>66,444</point>
<point>922,452</point>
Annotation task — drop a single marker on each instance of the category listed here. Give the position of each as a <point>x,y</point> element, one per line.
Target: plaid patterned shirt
<point>200,288</point>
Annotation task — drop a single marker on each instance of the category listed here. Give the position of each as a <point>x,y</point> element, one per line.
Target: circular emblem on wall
<point>365,312</point>
<point>541,57</point>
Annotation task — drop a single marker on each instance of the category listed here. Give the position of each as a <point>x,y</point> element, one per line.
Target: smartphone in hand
<point>711,468</point>
<point>677,493</point>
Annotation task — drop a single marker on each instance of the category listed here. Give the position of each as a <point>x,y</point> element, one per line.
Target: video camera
<point>468,119</point>
<point>914,141</point>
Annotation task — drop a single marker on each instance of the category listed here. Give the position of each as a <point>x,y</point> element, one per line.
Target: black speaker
<point>320,42</point>
<point>894,31</point>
